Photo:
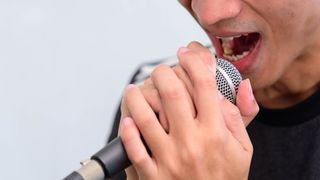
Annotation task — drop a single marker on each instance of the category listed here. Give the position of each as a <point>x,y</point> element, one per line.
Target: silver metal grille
<point>228,79</point>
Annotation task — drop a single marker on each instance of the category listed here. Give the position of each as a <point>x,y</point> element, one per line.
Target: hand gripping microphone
<point>112,159</point>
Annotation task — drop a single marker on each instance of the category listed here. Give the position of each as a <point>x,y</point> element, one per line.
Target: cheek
<point>287,28</point>
<point>292,20</point>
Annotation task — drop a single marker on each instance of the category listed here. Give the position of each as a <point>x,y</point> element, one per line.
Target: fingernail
<point>183,50</point>
<point>126,121</point>
<point>130,86</point>
<point>251,96</point>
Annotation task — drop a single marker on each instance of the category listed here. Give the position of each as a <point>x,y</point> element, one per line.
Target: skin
<point>189,106</point>
<point>288,64</point>
<point>192,110</point>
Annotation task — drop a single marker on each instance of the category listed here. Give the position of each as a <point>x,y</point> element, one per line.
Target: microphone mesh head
<point>228,79</point>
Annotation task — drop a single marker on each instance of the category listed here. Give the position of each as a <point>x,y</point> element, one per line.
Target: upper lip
<point>227,34</point>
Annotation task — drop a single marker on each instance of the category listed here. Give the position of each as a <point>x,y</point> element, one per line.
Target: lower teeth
<point>236,57</point>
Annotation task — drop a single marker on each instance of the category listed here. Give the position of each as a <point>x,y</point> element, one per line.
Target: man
<point>197,133</point>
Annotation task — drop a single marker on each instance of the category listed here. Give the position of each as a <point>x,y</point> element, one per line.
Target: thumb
<point>238,117</point>
<point>246,102</point>
<point>234,122</point>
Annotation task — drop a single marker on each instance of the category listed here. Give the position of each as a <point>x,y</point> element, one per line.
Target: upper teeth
<point>232,37</point>
<point>227,45</point>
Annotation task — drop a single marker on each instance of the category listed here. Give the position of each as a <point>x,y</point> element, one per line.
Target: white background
<point>63,66</point>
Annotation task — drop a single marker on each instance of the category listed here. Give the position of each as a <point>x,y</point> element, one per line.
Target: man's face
<point>264,39</point>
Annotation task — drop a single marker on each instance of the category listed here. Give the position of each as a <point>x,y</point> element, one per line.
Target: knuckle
<point>250,148</point>
<point>191,153</point>
<point>164,121</point>
<point>249,116</point>
<point>206,82</point>
<point>217,138</point>
<point>140,161</point>
<point>234,112</point>
<point>128,94</point>
<point>123,106</point>
<point>146,122</point>
<point>207,56</point>
<point>187,59</point>
<point>206,53</point>
<point>126,138</point>
<point>173,92</point>
<point>194,44</point>
<point>147,82</point>
<point>174,168</point>
<point>178,70</point>
<point>159,70</point>
<point>257,109</point>
<point>151,95</point>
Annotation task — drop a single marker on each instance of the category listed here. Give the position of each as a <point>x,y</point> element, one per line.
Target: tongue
<point>244,43</point>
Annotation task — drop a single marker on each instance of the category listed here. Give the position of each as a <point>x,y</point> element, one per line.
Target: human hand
<point>196,120</point>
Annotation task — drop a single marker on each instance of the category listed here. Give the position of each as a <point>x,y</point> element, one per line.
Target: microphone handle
<point>113,158</point>
<point>106,163</point>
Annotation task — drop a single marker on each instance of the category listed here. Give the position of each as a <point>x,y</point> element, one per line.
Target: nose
<point>209,12</point>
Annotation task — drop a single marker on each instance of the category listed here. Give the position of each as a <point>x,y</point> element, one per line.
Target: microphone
<point>112,159</point>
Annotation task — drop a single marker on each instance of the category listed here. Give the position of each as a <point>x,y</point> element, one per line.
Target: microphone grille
<point>228,79</point>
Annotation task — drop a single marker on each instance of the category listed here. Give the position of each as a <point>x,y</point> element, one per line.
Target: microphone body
<point>112,159</point>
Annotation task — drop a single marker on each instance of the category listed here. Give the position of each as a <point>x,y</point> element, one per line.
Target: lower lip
<point>245,64</point>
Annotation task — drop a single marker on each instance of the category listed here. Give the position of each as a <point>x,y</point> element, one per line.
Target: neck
<point>273,98</point>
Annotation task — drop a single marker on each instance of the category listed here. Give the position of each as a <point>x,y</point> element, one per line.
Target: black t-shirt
<point>286,141</point>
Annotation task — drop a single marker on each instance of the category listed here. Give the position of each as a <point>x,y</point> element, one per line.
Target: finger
<point>124,111</point>
<point>145,119</point>
<point>131,173</point>
<point>204,85</point>
<point>151,95</point>
<point>164,121</point>
<point>246,102</point>
<point>183,76</point>
<point>233,121</point>
<point>176,101</point>
<point>203,51</point>
<point>134,147</point>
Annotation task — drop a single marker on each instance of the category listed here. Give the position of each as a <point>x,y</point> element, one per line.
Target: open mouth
<point>238,47</point>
